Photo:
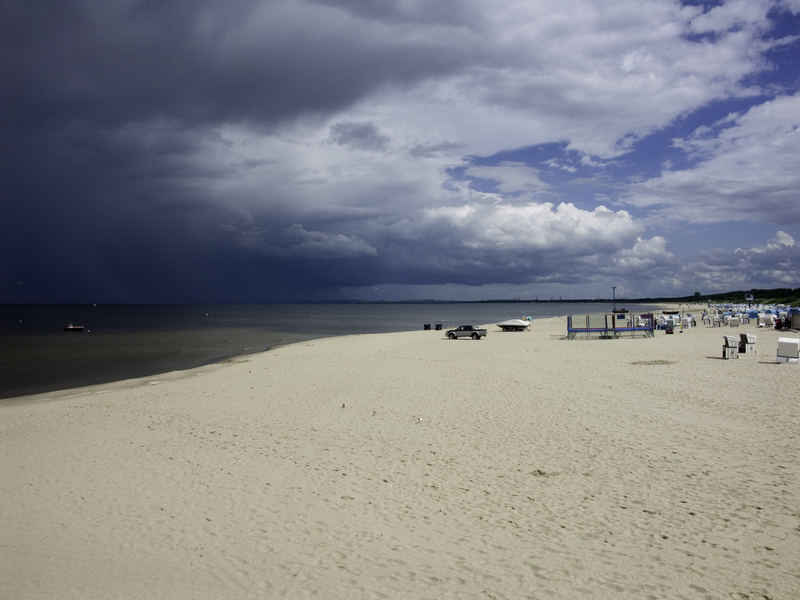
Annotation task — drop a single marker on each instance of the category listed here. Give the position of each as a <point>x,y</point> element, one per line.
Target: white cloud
<point>783,239</point>
<point>775,264</point>
<point>510,177</point>
<point>749,170</point>
<point>777,243</point>
<point>598,77</point>
<point>644,255</point>
<point>791,5</point>
<point>562,230</point>
<point>732,15</point>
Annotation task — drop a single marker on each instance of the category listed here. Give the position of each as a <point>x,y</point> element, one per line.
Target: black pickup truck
<point>468,331</point>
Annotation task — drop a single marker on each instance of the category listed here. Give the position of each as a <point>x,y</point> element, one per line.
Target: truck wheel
<point>451,335</point>
<point>476,336</point>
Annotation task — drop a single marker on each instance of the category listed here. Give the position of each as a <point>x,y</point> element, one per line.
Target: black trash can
<point>438,327</point>
<point>426,326</point>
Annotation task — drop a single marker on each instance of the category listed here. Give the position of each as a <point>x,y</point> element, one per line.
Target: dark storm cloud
<point>364,136</point>
<point>196,61</point>
<point>447,12</point>
<point>105,104</point>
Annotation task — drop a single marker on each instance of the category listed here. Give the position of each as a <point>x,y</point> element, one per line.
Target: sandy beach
<point>406,465</point>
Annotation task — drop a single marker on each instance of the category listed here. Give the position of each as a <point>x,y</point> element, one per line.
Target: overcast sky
<point>273,150</point>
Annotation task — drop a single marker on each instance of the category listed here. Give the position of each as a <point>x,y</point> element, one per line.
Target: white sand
<point>519,466</point>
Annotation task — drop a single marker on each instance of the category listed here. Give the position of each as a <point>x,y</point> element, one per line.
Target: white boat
<point>515,324</point>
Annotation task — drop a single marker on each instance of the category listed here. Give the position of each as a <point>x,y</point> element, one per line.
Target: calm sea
<point>125,341</point>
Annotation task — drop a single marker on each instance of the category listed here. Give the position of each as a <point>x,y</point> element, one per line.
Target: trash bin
<point>426,326</point>
<point>438,327</point>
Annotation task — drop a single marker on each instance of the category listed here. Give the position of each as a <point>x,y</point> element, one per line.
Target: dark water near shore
<point>126,341</point>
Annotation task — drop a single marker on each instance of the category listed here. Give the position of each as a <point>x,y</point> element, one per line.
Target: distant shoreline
<point>50,360</point>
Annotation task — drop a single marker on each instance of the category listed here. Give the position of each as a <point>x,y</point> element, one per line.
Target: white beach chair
<point>730,347</point>
<point>747,343</point>
<point>788,350</point>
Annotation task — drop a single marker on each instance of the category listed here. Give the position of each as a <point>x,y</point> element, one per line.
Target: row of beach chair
<point>788,348</point>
